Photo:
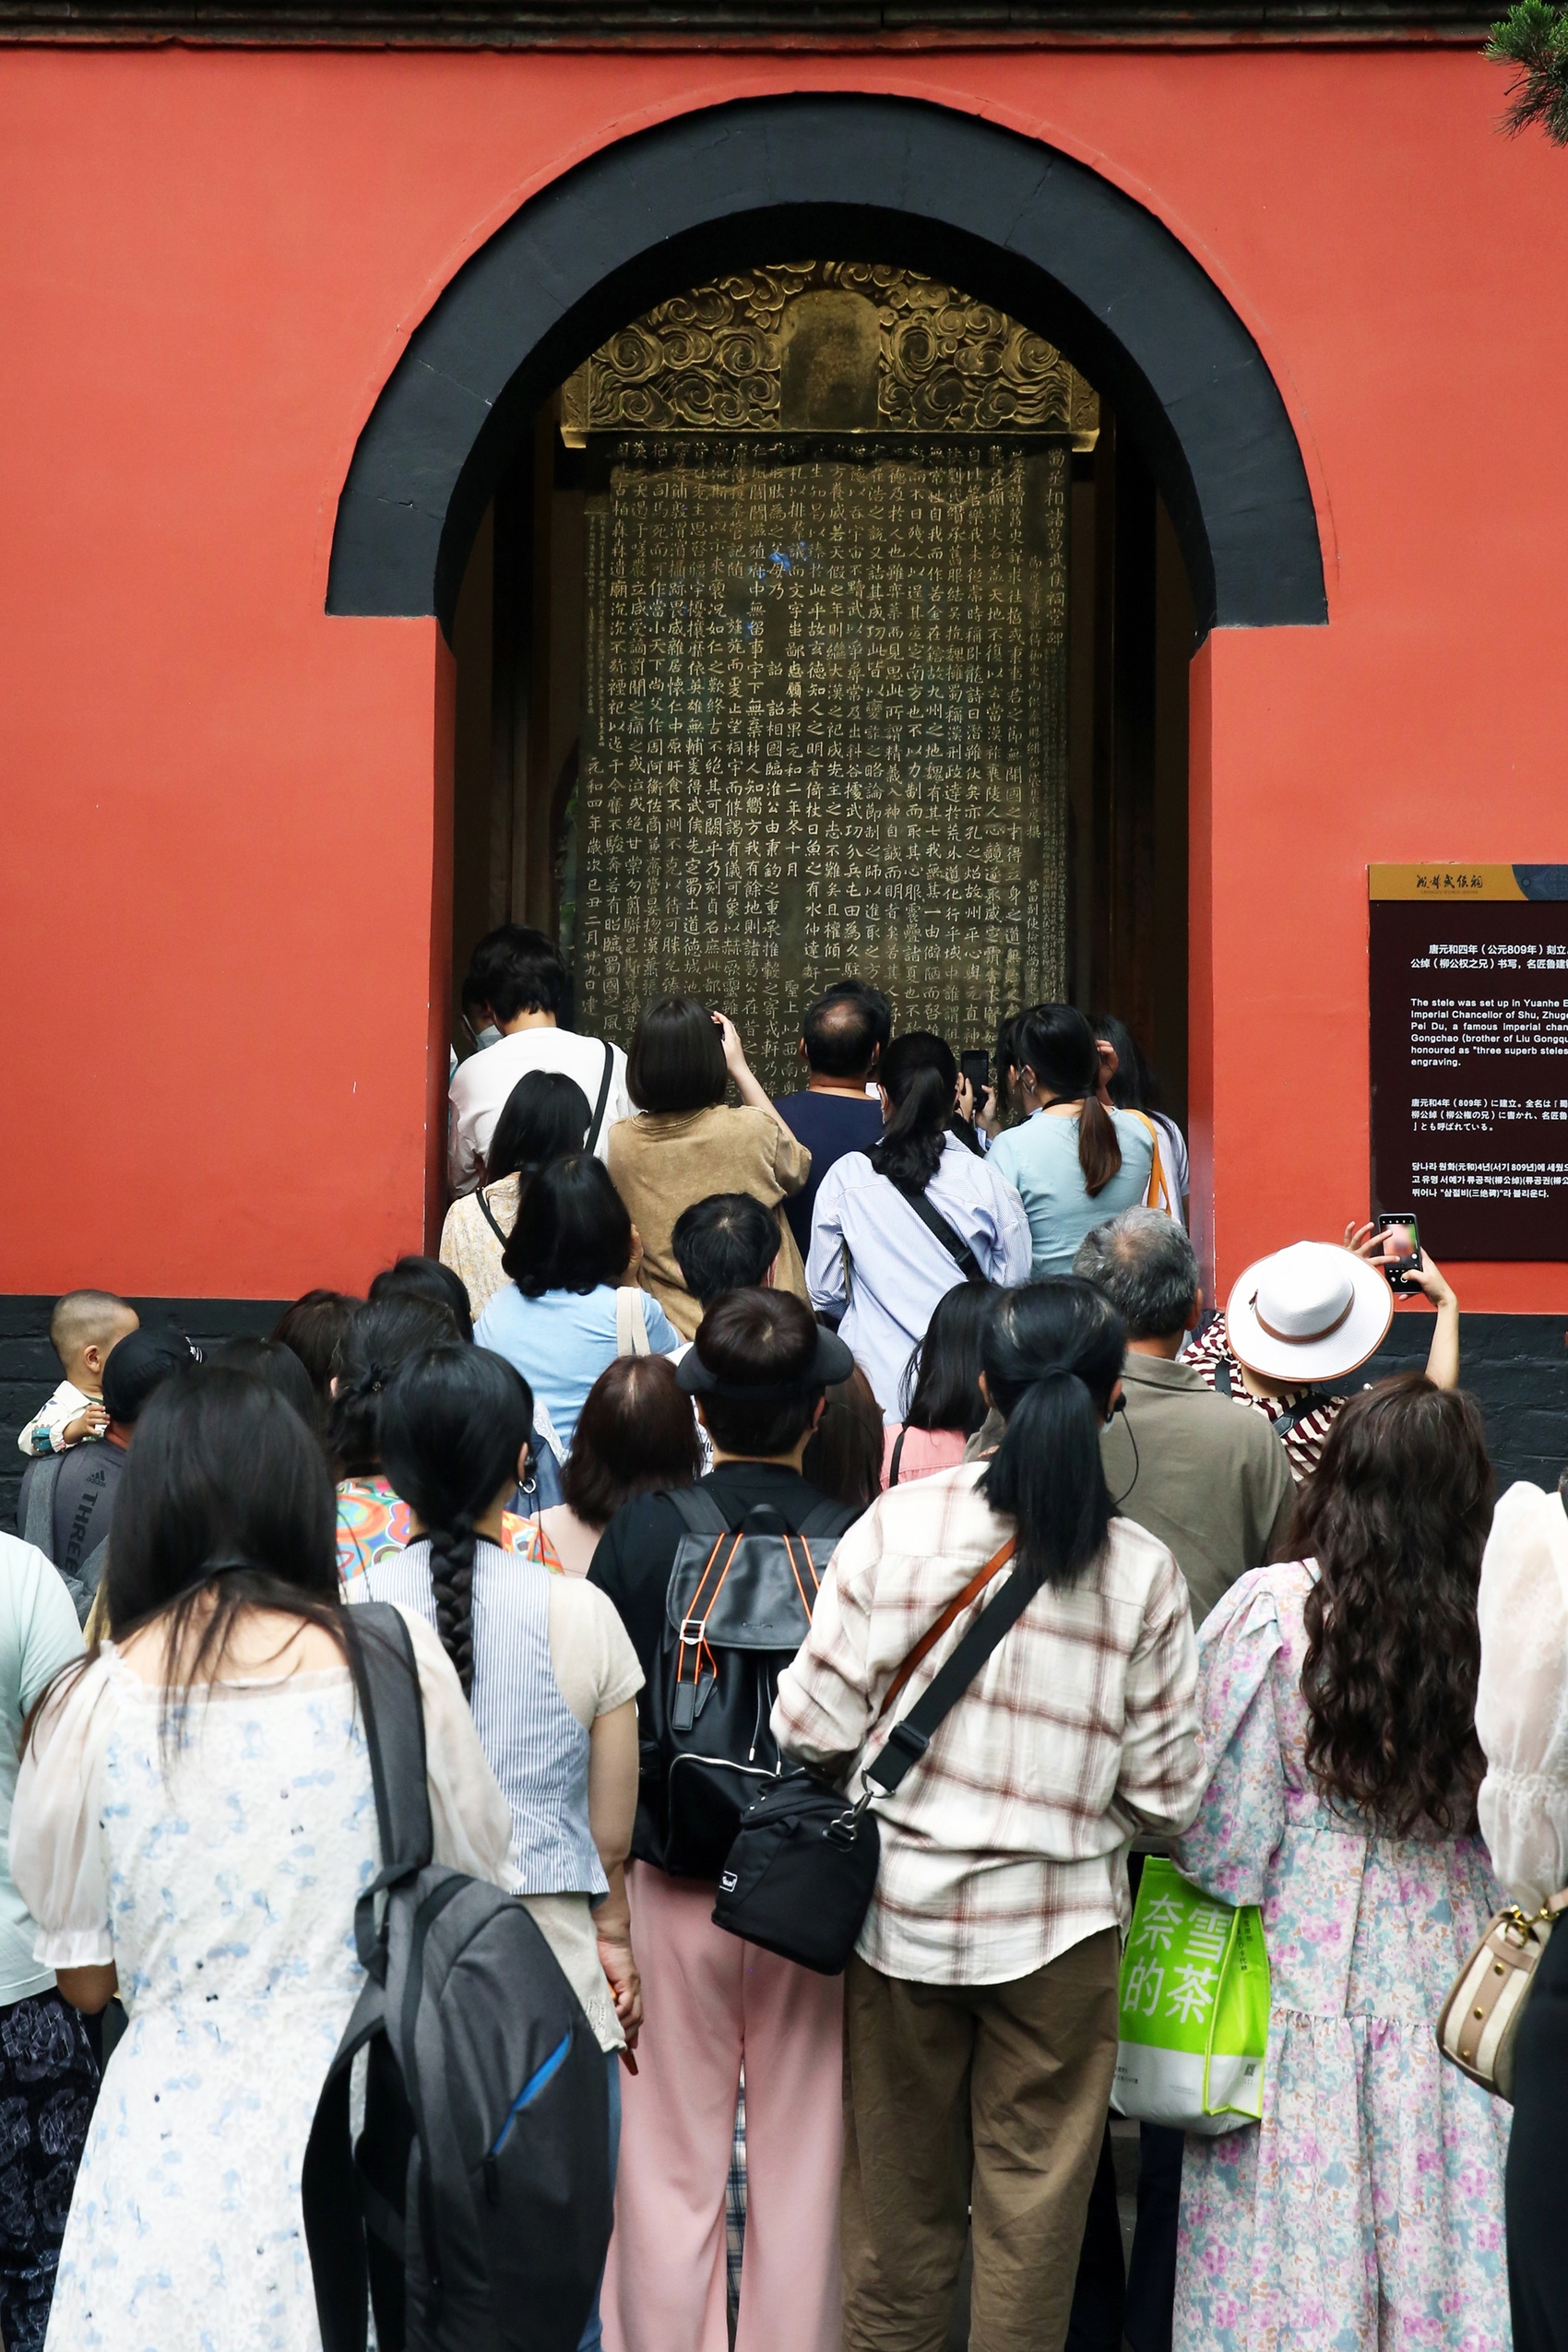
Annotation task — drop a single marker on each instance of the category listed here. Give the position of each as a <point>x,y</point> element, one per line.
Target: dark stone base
<point>1516,1365</point>
<point>30,1370</point>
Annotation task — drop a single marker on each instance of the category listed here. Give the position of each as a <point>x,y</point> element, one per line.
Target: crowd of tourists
<point>872,1449</point>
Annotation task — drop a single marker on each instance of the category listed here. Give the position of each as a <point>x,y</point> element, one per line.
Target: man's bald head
<point>839,1036</point>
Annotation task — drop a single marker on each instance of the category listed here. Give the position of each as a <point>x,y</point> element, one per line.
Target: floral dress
<point>1366,2209</point>
<point>220,1876</point>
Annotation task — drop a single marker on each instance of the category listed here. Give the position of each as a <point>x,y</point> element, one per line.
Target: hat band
<point>1302,1338</point>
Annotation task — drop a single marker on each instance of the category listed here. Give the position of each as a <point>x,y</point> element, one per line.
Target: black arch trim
<point>1011,220</point>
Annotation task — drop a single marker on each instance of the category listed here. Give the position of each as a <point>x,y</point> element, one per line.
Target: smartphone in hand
<point>1401,1249</point>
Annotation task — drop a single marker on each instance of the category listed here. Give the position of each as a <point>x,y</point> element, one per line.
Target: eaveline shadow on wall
<point>1014,221</point>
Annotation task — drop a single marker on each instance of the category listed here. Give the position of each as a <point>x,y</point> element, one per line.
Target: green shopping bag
<point>1194,2001</point>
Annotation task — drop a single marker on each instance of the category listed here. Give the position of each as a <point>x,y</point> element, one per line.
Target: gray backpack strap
<point>83,1584</point>
<point>381,1656</point>
<point>40,1527</point>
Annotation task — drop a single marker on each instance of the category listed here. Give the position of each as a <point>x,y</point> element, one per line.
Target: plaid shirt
<point>1003,1847</point>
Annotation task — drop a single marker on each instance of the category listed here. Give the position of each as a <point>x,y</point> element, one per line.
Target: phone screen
<point>1401,1248</point>
<point>976,1066</point>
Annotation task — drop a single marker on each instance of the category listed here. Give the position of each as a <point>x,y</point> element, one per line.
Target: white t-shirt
<point>480,1088</point>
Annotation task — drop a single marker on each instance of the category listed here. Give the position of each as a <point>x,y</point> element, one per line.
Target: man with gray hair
<point>1219,1496</point>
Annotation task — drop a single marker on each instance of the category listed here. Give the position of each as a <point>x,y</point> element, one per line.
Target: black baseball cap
<point>137,1364</point>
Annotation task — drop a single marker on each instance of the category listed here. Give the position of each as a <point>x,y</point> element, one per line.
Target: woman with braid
<point>546,1664</point>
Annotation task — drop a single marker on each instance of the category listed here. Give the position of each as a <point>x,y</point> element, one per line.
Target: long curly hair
<point>1395,1516</point>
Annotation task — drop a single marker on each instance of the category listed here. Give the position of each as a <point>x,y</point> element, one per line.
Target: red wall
<point>222,833</point>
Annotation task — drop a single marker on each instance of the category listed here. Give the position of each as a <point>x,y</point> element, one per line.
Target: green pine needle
<point>1533,39</point>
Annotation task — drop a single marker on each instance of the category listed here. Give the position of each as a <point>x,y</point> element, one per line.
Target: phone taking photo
<point>1401,1249</point>
<point>976,1066</point>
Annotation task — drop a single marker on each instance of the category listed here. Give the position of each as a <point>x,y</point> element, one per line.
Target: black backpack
<point>737,1608</point>
<point>477,2202</point>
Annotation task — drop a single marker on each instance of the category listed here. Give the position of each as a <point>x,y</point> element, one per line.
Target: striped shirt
<point>1304,1437</point>
<point>1002,1847</point>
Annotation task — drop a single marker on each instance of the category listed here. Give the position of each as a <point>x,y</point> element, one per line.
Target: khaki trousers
<point>989,2099</point>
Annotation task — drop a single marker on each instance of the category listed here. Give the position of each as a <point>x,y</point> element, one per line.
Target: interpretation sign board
<point>1470,1055</point>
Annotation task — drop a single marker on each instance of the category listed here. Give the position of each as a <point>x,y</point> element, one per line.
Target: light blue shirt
<point>1041,1158</point>
<point>561,1343</point>
<point>898,1267</point>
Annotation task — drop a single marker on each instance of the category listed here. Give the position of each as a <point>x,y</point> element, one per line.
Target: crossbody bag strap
<point>592,1142</point>
<point>1156,1183</point>
<point>490,1216</point>
<point>897,1456</point>
<point>912,1734</point>
<point>953,1609</point>
<point>948,1235</point>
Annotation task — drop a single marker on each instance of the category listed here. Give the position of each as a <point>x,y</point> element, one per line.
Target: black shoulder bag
<point>802,1870</point>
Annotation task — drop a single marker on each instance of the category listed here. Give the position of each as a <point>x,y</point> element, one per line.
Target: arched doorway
<point>1197,458</point>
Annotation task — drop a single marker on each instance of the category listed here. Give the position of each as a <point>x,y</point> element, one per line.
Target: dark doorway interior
<point>518,637</point>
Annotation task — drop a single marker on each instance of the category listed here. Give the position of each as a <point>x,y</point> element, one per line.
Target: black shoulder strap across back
<point>491,1218</point>
<point>603,1097</point>
<point>912,1734</point>
<point>381,1658</point>
<point>897,1456</point>
<point>950,1238</point>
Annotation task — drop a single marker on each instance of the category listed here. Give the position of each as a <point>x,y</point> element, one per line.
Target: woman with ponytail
<point>1075,1160</point>
<point>546,1663</point>
<point>193,1820</point>
<point>979,2009</point>
<point>897,1226</point>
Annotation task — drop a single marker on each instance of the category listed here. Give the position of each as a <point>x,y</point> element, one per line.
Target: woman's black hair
<point>921,1075</point>
<point>454,1424</point>
<point>843,1455</point>
<point>1395,1515</point>
<point>313,1326</point>
<point>1056,1042</point>
<point>1051,1354</point>
<point>573,1231</point>
<point>225,1494</point>
<point>1132,1088</point>
<point>941,1383</point>
<point>676,1058</point>
<point>545,1114</point>
<point>275,1364</point>
<point>420,1277</point>
<point>379,1339</point>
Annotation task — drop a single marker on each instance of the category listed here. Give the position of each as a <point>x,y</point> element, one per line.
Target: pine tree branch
<point>1533,39</point>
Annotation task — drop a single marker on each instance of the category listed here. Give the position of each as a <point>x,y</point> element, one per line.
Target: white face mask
<point>489,1034</point>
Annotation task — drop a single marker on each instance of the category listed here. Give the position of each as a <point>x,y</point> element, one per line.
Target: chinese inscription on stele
<point>824,707</point>
<point>1469,1054</point>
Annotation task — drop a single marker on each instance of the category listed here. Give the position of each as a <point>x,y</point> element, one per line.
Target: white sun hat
<point>1308,1314</point>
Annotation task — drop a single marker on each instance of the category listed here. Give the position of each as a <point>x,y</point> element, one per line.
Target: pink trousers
<point>712,2001</point>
